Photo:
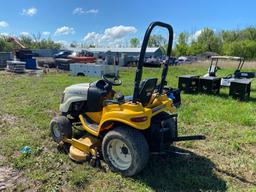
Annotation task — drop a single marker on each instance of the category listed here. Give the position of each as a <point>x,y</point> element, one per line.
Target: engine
<point>85,97</point>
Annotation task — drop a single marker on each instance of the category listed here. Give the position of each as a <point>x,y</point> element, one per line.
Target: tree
<point>248,34</point>
<point>74,44</point>
<point>4,45</point>
<point>209,41</point>
<point>134,42</point>
<point>182,44</point>
<point>230,36</point>
<point>156,41</point>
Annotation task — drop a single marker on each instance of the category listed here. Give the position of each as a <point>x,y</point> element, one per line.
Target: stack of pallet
<point>16,66</point>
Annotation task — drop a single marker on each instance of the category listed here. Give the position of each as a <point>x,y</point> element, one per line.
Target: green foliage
<point>182,44</point>
<point>37,43</point>
<point>226,42</point>
<point>208,40</point>
<point>4,45</point>
<point>156,41</point>
<point>135,42</point>
<point>244,48</point>
<point>34,42</point>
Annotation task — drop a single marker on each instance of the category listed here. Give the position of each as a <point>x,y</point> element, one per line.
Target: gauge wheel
<point>125,150</point>
<point>60,127</point>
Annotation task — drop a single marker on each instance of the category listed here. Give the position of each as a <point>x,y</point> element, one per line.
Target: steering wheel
<point>112,79</point>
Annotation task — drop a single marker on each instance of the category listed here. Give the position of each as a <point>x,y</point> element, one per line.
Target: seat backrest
<point>147,87</point>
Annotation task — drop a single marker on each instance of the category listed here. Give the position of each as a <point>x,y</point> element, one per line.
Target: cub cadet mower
<point>122,131</point>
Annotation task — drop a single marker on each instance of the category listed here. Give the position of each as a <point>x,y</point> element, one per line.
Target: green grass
<point>225,161</point>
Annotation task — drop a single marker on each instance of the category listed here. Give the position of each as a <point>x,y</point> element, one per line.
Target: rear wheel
<point>60,127</point>
<point>125,150</point>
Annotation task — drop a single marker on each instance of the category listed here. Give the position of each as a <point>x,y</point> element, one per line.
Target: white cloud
<point>94,11</point>
<point>111,36</point>
<point>63,42</point>
<point>92,36</point>
<point>194,36</point>
<point>30,11</point>
<point>4,34</point>
<point>118,32</point>
<point>3,24</point>
<point>65,30</point>
<point>46,33</point>
<point>81,11</point>
<point>25,33</point>
<point>78,11</point>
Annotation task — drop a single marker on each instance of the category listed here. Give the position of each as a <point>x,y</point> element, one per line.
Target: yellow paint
<point>95,116</point>
<point>125,112</point>
<point>84,147</point>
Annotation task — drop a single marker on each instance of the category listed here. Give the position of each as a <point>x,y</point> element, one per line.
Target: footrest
<point>88,126</point>
<point>188,138</point>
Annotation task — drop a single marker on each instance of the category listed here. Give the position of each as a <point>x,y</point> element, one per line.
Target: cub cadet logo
<point>76,92</point>
<point>158,108</point>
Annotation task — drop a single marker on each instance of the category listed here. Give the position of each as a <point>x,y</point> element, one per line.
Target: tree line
<point>31,42</point>
<point>226,42</point>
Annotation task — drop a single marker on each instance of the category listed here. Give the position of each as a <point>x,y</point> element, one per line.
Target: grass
<point>225,161</point>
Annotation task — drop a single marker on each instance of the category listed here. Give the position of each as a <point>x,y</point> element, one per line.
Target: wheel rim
<point>119,154</point>
<point>56,131</point>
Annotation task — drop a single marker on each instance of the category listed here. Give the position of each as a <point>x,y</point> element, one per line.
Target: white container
<point>94,70</point>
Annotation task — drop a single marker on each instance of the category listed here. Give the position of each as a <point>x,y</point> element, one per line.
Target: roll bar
<point>142,56</point>
<point>217,58</point>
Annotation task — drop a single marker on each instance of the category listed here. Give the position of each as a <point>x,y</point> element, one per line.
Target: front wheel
<point>125,150</point>
<point>60,127</point>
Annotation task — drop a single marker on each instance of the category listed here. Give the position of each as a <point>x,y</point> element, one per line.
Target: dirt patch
<point>7,119</point>
<point>11,179</point>
<point>226,63</point>
<point>249,148</point>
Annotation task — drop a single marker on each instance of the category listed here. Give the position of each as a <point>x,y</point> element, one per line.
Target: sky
<point>114,22</point>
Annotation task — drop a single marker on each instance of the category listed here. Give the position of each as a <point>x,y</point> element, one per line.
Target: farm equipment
<point>239,83</point>
<point>123,131</point>
<point>24,54</point>
<point>242,74</point>
<point>238,74</point>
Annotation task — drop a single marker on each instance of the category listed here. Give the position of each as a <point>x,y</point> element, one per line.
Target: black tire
<point>172,125</point>
<point>164,120</point>
<point>80,74</point>
<point>137,145</point>
<point>63,126</point>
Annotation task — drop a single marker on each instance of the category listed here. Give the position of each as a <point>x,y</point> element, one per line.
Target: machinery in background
<point>81,57</point>
<point>239,82</point>
<point>62,54</point>
<point>238,74</point>
<point>23,54</point>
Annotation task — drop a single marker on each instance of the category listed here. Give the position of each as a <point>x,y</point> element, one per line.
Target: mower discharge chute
<point>121,130</point>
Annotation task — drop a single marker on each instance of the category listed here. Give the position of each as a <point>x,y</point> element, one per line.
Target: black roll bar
<point>142,56</point>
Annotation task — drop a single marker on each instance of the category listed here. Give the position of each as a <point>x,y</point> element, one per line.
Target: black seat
<point>147,87</point>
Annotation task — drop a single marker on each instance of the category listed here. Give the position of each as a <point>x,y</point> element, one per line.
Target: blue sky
<point>115,21</point>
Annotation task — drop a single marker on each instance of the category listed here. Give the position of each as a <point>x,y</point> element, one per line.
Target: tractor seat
<point>147,87</point>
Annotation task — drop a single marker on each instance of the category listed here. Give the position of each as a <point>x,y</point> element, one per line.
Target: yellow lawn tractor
<point>121,130</point>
